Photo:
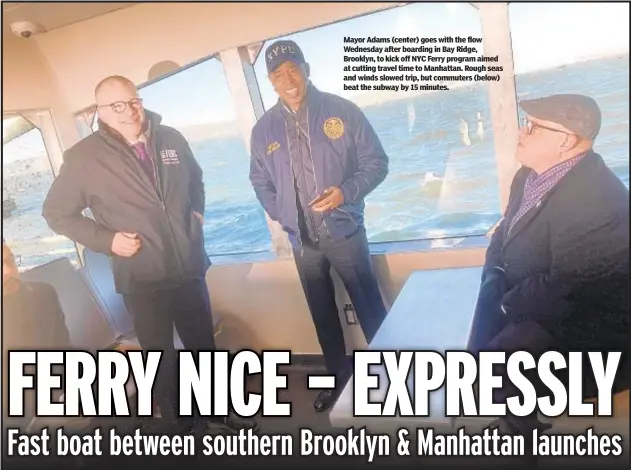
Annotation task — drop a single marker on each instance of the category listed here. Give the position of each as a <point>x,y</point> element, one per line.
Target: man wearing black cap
<point>557,269</point>
<point>314,158</point>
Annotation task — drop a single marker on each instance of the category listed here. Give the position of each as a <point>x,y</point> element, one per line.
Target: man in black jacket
<point>146,192</point>
<point>556,275</point>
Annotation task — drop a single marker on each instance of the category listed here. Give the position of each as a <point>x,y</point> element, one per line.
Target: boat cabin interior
<point>199,66</point>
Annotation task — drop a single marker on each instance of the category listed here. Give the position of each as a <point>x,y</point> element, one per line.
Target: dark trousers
<point>351,260</point>
<point>523,336</point>
<point>154,315</point>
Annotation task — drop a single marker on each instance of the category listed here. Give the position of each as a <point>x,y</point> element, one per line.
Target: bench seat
<point>434,311</point>
<point>421,318</point>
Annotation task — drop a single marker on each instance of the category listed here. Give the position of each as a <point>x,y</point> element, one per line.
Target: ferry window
<point>26,178</point>
<point>579,48</point>
<point>197,102</point>
<point>443,176</point>
<point>87,122</point>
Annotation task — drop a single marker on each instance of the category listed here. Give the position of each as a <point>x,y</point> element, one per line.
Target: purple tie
<point>145,160</point>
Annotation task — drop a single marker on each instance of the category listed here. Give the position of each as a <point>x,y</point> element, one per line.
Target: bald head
<point>112,82</point>
<point>119,106</point>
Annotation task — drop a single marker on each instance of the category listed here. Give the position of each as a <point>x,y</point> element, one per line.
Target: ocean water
<point>442,180</point>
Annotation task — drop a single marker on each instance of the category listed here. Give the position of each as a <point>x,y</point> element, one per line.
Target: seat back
<point>86,325</point>
<point>97,273</point>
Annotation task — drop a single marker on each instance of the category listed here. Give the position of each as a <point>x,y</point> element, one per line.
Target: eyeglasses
<point>531,126</point>
<point>120,106</point>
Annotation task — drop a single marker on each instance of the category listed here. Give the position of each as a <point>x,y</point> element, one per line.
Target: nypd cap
<point>283,51</point>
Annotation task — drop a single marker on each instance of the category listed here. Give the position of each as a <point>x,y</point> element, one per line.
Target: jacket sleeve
<point>64,205</point>
<point>372,159</point>
<point>493,256</point>
<point>261,180</point>
<point>587,258</point>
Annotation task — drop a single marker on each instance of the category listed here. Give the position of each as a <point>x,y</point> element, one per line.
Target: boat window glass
<point>443,176</point>
<point>26,178</point>
<point>197,102</point>
<point>590,57</point>
<point>87,122</point>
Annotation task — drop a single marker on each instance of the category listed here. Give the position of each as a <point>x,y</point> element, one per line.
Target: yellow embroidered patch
<point>272,147</point>
<point>334,128</point>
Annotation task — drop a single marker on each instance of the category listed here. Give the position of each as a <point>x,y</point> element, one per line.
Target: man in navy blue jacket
<point>314,158</point>
<point>556,275</point>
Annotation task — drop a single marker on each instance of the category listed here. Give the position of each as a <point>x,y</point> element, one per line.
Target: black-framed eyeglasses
<point>120,106</point>
<point>531,126</point>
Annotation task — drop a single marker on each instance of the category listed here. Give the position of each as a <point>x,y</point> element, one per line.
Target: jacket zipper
<point>291,167</point>
<point>304,179</point>
<point>160,193</point>
<point>315,178</point>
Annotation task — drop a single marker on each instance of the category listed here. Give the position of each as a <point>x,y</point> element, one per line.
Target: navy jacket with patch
<point>102,173</point>
<point>345,152</point>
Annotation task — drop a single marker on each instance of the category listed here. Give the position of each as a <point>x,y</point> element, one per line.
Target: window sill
<point>378,248</point>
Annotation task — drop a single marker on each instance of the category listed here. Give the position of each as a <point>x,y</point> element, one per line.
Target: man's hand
<point>125,244</point>
<point>199,217</point>
<point>334,198</point>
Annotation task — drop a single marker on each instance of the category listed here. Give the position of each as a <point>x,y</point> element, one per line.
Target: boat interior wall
<point>54,15</point>
<point>193,31</point>
<point>27,82</point>
<point>274,313</point>
<point>29,86</point>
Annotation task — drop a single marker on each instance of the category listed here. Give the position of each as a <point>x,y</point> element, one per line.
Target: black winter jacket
<point>102,173</point>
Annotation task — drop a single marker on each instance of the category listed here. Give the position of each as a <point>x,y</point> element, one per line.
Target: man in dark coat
<point>145,189</point>
<point>556,275</point>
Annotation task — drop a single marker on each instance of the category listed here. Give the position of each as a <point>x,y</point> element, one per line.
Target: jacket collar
<point>580,171</point>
